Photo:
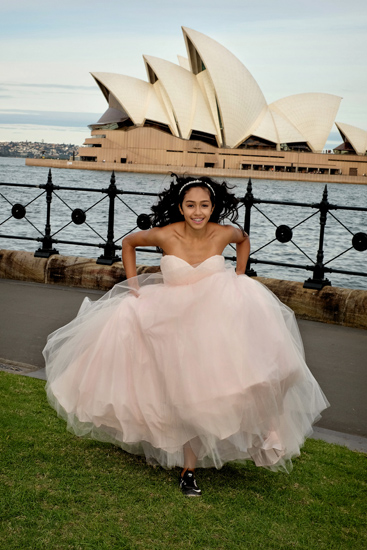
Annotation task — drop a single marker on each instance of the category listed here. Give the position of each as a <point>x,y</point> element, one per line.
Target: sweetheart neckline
<point>192,265</point>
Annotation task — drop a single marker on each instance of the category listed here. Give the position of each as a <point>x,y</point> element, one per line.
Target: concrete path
<point>337,356</point>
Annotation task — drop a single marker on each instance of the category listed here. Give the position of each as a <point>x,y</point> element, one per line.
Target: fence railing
<point>283,233</point>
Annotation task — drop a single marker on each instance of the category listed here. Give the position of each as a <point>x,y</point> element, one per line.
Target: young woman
<point>196,366</point>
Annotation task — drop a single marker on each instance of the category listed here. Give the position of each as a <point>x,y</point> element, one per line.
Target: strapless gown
<point>200,357</point>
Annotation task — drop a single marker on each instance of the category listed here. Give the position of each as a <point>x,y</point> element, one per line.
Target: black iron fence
<point>282,233</point>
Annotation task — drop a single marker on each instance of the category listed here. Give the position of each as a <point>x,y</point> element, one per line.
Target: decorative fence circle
<point>283,234</point>
<point>78,216</point>
<point>18,211</point>
<point>359,242</point>
<point>143,221</point>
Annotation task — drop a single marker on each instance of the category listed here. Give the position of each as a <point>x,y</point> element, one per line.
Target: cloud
<point>49,134</point>
<point>47,118</point>
<point>5,85</point>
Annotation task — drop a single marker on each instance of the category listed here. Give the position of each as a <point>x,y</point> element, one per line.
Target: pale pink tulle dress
<point>202,356</point>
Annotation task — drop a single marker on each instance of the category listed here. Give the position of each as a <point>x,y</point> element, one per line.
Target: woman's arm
<point>151,237</point>
<point>243,253</point>
<point>242,242</point>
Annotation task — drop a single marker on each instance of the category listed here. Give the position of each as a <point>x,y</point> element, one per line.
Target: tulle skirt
<point>198,357</point>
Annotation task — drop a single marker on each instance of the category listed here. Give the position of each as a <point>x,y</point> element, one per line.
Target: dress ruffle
<point>198,356</point>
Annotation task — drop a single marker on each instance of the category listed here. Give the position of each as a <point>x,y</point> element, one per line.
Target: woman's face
<point>197,207</point>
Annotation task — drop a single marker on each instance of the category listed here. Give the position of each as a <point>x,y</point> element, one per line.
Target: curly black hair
<point>166,211</point>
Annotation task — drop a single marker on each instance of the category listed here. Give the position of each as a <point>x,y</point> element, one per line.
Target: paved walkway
<point>336,355</point>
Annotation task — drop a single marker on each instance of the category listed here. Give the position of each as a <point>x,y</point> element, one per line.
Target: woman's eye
<point>201,206</point>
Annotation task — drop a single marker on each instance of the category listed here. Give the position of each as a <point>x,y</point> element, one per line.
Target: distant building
<point>209,111</point>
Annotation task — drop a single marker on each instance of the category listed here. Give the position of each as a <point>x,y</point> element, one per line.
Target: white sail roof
<point>183,62</point>
<point>238,96</point>
<point>213,93</point>
<point>356,137</point>
<point>312,114</point>
<point>264,127</point>
<point>186,101</point>
<point>135,96</point>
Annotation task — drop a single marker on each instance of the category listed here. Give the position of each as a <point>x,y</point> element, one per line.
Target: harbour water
<point>264,219</point>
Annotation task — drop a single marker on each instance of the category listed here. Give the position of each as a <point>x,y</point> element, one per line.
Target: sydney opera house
<point>208,115</point>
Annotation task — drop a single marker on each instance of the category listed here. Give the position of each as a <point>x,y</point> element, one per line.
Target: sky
<point>48,50</point>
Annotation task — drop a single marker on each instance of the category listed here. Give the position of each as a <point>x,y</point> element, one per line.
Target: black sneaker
<point>188,485</point>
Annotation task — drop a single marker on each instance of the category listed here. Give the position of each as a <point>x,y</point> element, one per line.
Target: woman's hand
<point>134,287</point>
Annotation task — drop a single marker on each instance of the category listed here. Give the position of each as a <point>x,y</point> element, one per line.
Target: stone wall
<point>335,305</point>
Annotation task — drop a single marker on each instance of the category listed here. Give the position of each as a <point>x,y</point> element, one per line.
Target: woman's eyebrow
<point>191,200</point>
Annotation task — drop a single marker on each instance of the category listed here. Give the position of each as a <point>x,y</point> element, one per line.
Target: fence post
<point>46,251</point>
<point>248,201</point>
<point>109,257</point>
<point>318,281</point>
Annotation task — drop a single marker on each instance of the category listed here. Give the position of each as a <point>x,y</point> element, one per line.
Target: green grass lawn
<point>61,492</point>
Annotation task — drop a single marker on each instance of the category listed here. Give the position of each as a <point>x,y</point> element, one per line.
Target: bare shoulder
<point>232,234</point>
<point>150,237</point>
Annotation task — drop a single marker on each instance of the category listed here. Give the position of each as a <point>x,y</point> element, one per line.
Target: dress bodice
<point>177,271</point>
